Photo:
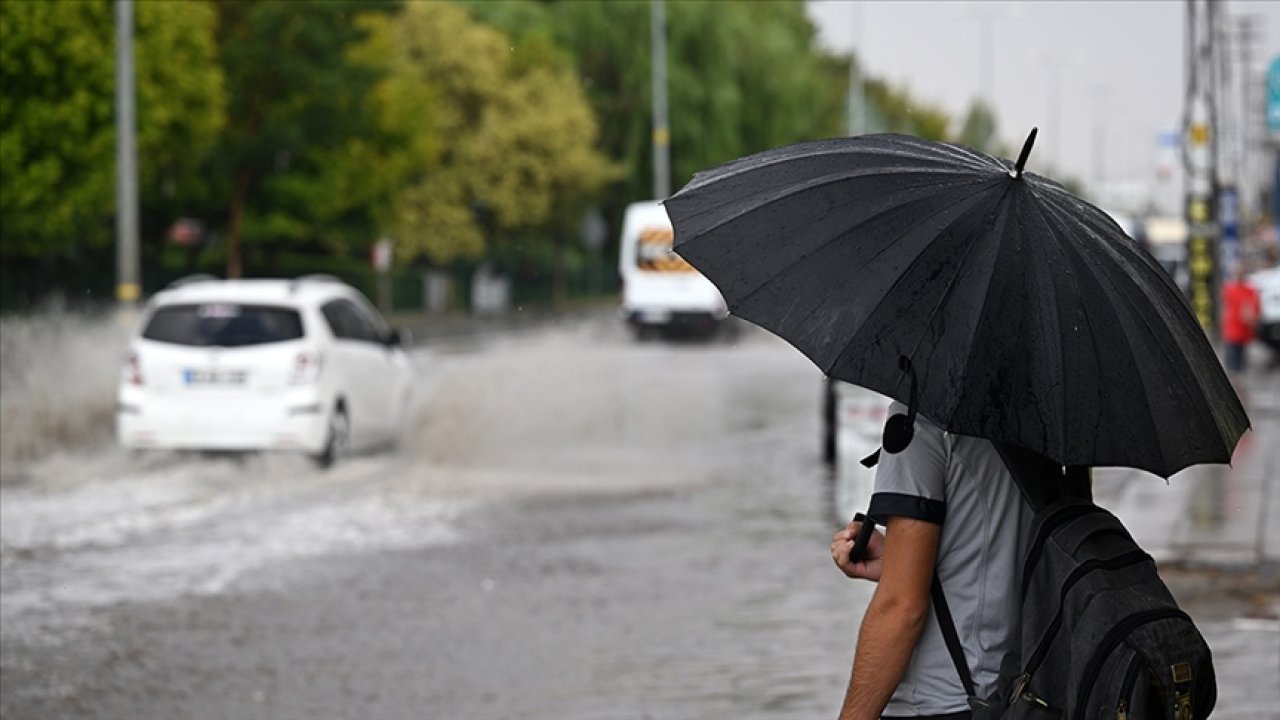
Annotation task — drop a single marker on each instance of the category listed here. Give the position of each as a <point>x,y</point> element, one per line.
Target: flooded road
<point>576,526</point>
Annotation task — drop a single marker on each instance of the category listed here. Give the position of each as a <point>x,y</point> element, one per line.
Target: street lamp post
<point>127,265</point>
<point>857,105</point>
<point>661,132</point>
<point>1053,89</point>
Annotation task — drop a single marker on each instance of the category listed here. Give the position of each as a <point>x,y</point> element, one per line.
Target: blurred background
<point>276,139</point>
<point>578,521</point>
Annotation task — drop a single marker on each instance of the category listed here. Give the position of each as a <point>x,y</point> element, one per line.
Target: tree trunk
<point>559,280</point>
<point>235,225</point>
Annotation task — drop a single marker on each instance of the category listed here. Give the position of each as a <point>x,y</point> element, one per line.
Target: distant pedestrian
<point>1241,307</point>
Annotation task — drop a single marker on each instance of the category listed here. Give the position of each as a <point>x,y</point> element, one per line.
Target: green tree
<point>979,129</point>
<point>745,77</point>
<point>895,110</point>
<point>742,77</point>
<point>57,121</point>
<point>517,150</point>
<point>300,134</point>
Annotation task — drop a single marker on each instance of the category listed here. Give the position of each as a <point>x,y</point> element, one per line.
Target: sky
<point>1100,79</point>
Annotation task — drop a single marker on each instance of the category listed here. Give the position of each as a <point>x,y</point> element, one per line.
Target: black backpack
<point>1101,635</point>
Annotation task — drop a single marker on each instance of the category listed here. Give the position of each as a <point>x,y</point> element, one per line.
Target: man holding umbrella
<point>1040,335</point>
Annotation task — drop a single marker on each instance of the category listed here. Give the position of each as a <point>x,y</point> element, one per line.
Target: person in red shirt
<point>1240,309</point>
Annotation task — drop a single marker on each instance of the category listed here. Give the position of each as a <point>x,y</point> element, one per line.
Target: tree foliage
<point>57,117</point>
<point>742,77</point>
<point>979,129</point>
<point>464,130</point>
<point>520,151</point>
<point>297,116</point>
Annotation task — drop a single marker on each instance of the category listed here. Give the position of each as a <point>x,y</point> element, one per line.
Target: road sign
<point>1229,226</point>
<point>380,255</point>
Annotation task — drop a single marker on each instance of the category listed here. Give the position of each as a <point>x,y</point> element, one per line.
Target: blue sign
<point>1229,223</point>
<point>1273,97</point>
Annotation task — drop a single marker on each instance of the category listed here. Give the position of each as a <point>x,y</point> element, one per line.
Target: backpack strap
<point>951,637</point>
<point>940,607</point>
<point>1041,483</point>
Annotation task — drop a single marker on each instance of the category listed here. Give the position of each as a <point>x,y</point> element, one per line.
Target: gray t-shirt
<point>961,483</point>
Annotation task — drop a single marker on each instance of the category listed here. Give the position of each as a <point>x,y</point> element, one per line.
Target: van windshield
<point>653,251</point>
<point>223,325</point>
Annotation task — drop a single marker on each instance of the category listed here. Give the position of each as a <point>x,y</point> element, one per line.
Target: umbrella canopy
<point>1027,315</point>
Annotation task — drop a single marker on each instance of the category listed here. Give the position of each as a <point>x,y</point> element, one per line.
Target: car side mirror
<point>397,337</point>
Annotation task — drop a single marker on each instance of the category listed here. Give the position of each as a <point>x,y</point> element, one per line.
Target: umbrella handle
<point>868,527</point>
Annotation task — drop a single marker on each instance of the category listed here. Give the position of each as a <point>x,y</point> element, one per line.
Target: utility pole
<point>857,105</point>
<point>1053,88</point>
<point>127,265</point>
<point>986,19</point>
<point>1200,159</point>
<point>661,131</point>
<point>1249,115</point>
<point>1101,97</point>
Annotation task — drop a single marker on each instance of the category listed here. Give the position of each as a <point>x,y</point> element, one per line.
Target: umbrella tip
<point>1026,151</point>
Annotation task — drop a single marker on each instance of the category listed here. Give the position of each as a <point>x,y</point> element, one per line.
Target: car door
<point>390,390</point>
<point>357,362</point>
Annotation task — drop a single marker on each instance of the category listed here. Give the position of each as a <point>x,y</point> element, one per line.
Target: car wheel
<point>338,440</point>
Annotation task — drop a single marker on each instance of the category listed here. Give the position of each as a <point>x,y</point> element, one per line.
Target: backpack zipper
<point>1114,637</point>
<point>1133,557</point>
<point>1059,517</point>
<point>1126,687</point>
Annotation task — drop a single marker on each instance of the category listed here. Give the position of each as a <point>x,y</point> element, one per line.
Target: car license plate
<point>214,377</point>
<point>655,316</point>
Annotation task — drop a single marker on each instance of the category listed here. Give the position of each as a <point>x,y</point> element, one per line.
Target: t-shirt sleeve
<point>912,483</point>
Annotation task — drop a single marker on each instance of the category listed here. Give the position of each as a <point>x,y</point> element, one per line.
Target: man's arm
<point>895,618</point>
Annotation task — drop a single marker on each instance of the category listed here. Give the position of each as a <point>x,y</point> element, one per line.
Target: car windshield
<point>223,325</point>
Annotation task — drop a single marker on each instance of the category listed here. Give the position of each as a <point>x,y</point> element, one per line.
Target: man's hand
<point>872,562</point>
<point>895,618</point>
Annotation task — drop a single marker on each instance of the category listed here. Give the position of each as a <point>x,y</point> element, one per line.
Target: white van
<point>659,289</point>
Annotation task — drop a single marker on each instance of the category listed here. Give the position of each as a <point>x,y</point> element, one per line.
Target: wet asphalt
<point>576,525</point>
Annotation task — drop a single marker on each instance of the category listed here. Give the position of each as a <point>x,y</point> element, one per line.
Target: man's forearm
<point>890,630</point>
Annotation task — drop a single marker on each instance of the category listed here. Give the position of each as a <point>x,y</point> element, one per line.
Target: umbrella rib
<point>863,144</point>
<point>939,177</point>
<point>1062,348</point>
<point>1230,421</point>
<point>833,238</point>
<point>986,221</point>
<point>1053,206</point>
<point>849,346</point>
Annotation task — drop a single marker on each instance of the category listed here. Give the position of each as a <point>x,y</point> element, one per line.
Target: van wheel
<point>338,441</point>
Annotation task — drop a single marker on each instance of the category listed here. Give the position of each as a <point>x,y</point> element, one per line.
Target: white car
<point>304,365</point>
<point>1267,283</point>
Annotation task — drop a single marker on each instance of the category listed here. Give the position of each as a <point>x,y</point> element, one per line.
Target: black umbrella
<point>1025,314</point>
